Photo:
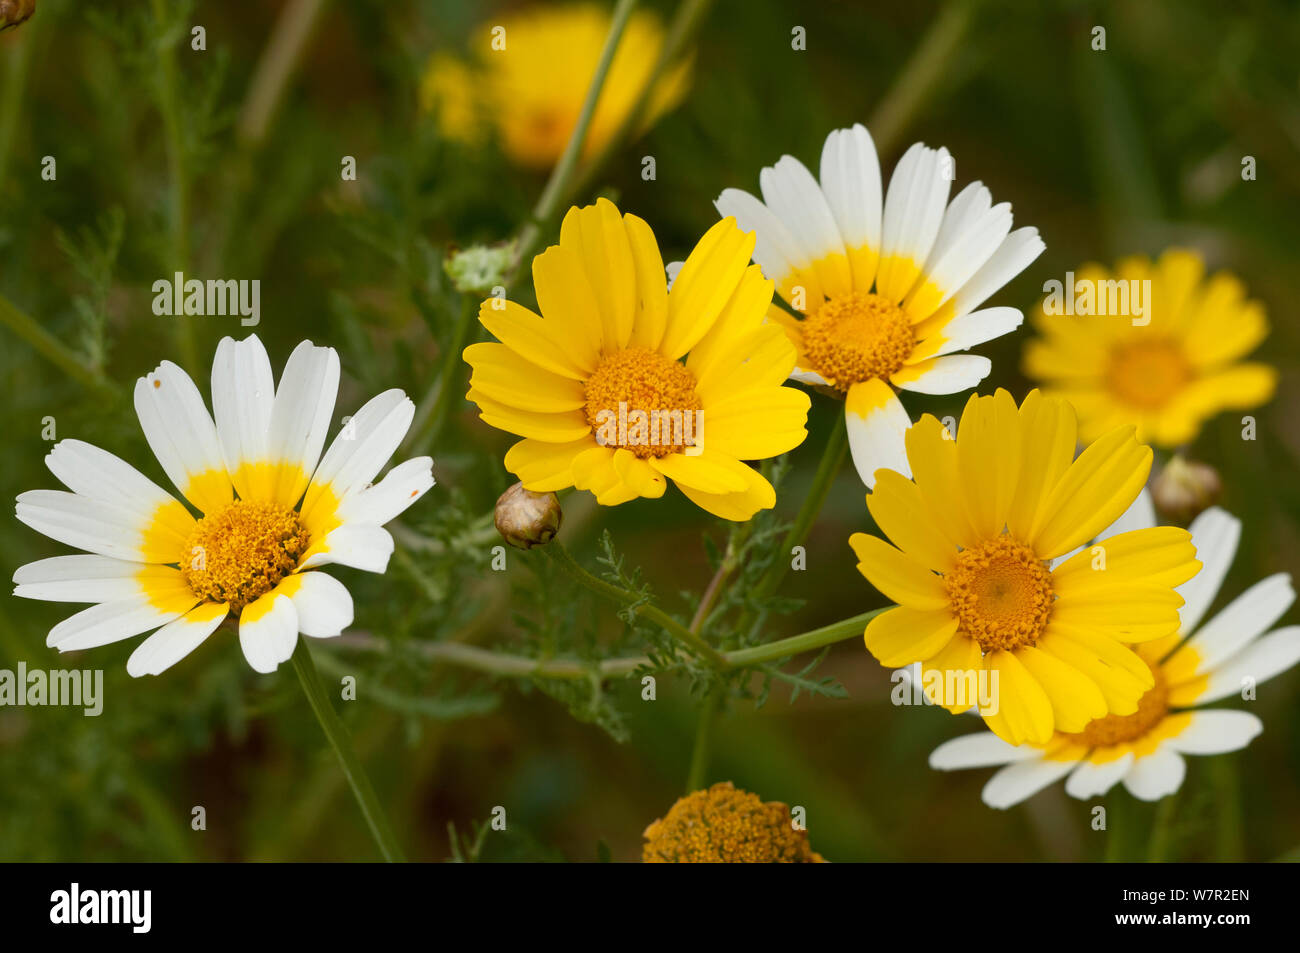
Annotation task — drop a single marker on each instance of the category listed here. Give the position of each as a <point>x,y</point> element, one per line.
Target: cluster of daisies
<point>1031,583</point>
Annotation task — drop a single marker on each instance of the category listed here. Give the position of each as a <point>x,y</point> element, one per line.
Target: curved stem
<point>703,738</point>
<point>565,561</point>
<point>804,642</point>
<point>53,350</point>
<point>339,740</point>
<point>557,186</point>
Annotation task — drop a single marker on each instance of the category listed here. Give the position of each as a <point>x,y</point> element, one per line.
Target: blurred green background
<point>1107,153</point>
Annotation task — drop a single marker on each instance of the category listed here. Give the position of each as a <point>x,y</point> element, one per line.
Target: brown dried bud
<point>1184,488</point>
<point>14,12</point>
<point>526,519</point>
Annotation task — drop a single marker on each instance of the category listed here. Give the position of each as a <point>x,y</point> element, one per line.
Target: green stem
<point>805,642</point>
<point>828,469</point>
<point>687,20</point>
<point>1227,792</point>
<point>703,737</point>
<point>279,59</point>
<point>52,349</point>
<point>565,561</point>
<point>339,740</point>
<point>557,186</point>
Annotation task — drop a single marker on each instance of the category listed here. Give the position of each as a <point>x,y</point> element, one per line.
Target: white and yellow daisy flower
<point>1145,749</point>
<point>272,509</point>
<point>885,284</point>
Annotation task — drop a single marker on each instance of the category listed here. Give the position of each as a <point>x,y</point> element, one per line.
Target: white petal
<point>950,374</point>
<point>354,544</point>
<point>794,196</point>
<point>914,207</point>
<point>1242,621</point>
<point>182,436</point>
<point>1215,534</point>
<point>1012,257</point>
<point>387,499</point>
<point>1267,656</point>
<point>1156,775</point>
<point>301,412</point>
<point>1216,732</point>
<point>1017,782</point>
<point>967,240</point>
<point>243,392</point>
<point>99,475</point>
<point>110,622</point>
<point>361,449</point>
<point>268,631</point>
<point>967,330</point>
<point>775,250</point>
<point>176,640</point>
<point>1092,780</point>
<point>850,178</point>
<point>808,377</point>
<point>979,750</point>
<point>877,424</point>
<point>79,578</point>
<point>324,604</point>
<point>83,523</point>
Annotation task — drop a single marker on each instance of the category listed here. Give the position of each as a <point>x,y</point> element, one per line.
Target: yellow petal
<point>900,512</point>
<point>899,577</point>
<point>1049,432</point>
<point>988,459</point>
<point>1024,713</point>
<point>902,635</point>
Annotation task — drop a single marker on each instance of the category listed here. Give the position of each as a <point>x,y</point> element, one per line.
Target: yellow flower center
<point>1001,593</point>
<point>1148,374</point>
<point>724,824</point>
<point>641,400</point>
<point>239,552</point>
<point>1117,729</point>
<point>856,337</point>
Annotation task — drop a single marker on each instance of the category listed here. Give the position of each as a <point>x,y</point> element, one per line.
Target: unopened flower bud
<point>14,12</point>
<point>479,269</point>
<point>1184,488</point>
<point>526,519</point>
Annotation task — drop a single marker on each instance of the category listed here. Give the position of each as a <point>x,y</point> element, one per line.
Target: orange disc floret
<point>725,825</point>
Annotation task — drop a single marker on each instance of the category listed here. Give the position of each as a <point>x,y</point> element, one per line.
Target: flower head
<point>1168,369</point>
<point>530,76</point>
<point>724,825</point>
<point>1188,669</point>
<point>271,511</point>
<point>990,589</point>
<point>526,519</point>
<point>14,12</point>
<point>884,285</point>
<point>620,384</point>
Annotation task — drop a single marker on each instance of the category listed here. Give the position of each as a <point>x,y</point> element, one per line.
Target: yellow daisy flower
<point>598,388</point>
<point>725,825</point>
<point>1168,369</point>
<point>885,284</point>
<point>273,511</point>
<point>985,600</point>
<point>532,90</point>
<point>1145,750</point>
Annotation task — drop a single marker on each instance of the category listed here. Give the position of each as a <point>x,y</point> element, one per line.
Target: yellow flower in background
<point>986,601</point>
<point>885,283</point>
<point>1145,750</point>
<point>530,75</point>
<point>724,825</point>
<point>1166,370</point>
<point>597,385</point>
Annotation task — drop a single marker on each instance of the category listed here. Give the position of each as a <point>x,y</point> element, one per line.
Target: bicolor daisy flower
<point>1190,669</point>
<point>534,118</point>
<point>620,384</point>
<point>1167,364</point>
<point>980,600</point>
<point>272,510</point>
<point>883,285</point>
